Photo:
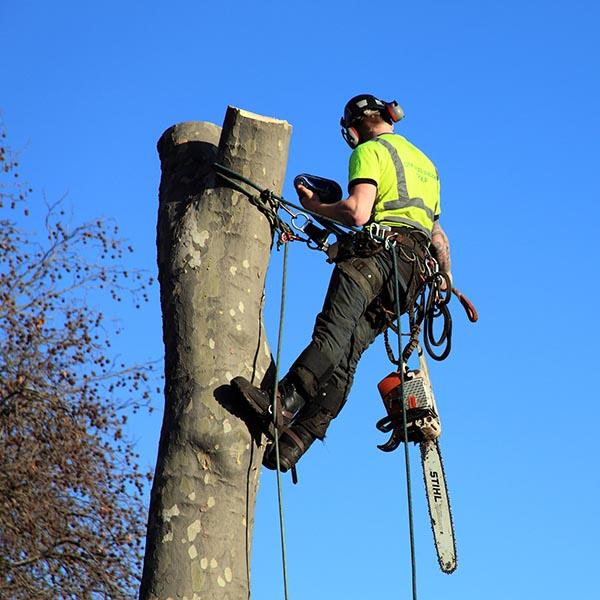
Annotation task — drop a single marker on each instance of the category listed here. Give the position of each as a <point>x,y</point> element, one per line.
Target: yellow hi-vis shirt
<point>408,186</point>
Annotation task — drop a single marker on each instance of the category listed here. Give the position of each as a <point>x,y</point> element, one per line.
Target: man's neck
<point>377,130</point>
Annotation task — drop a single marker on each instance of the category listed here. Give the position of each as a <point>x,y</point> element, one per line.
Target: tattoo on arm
<point>440,248</point>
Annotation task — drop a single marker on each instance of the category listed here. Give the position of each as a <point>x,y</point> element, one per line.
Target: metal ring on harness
<point>307,220</point>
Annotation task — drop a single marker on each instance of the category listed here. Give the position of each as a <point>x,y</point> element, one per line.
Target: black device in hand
<point>328,190</point>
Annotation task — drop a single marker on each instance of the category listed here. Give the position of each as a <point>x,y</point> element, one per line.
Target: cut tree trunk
<point>213,252</point>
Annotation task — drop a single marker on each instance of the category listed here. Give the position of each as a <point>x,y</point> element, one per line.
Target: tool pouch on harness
<point>352,254</point>
<point>365,273</point>
<point>350,245</point>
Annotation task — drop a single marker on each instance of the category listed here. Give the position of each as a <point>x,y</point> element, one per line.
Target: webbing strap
<point>410,223</point>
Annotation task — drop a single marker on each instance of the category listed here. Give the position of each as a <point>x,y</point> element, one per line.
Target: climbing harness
<point>412,414</point>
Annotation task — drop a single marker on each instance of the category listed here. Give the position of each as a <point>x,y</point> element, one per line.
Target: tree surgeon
<point>391,183</point>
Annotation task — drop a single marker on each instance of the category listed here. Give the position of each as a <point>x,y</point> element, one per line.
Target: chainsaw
<point>423,427</point>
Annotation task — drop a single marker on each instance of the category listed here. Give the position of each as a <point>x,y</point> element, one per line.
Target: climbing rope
<point>268,203</point>
<point>413,561</point>
<point>265,200</point>
<point>275,401</point>
<point>430,304</point>
<point>436,290</point>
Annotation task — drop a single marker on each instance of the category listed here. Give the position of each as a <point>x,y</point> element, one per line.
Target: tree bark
<point>213,252</point>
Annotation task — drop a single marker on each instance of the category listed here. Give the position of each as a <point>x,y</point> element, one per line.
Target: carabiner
<point>306,222</point>
<point>432,266</point>
<point>377,231</point>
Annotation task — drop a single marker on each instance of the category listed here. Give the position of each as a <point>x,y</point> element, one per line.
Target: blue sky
<point>503,96</point>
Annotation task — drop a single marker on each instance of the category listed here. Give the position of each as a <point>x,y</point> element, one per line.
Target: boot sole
<point>246,389</point>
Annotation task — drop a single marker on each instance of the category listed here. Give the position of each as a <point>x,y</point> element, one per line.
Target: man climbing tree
<point>395,193</point>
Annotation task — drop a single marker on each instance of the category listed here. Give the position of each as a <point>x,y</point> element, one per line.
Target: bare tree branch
<point>71,516</point>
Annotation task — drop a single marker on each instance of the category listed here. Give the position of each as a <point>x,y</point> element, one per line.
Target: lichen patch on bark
<point>199,237</point>
<point>193,530</point>
<point>169,513</point>
<point>196,575</point>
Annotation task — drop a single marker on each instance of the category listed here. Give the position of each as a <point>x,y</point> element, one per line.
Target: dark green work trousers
<point>351,318</point>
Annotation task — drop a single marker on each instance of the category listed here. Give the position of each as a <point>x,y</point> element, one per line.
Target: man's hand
<point>443,286</point>
<point>309,199</point>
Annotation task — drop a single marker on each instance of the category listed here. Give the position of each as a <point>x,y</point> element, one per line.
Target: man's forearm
<point>354,211</point>
<point>440,248</point>
<point>345,212</point>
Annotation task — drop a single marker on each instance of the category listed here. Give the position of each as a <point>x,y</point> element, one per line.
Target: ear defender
<point>352,137</point>
<point>394,111</point>
<point>350,134</point>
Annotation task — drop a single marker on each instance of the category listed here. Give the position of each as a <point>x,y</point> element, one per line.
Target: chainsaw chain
<point>431,517</point>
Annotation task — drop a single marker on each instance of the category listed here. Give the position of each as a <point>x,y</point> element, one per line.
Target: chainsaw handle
<point>467,305</point>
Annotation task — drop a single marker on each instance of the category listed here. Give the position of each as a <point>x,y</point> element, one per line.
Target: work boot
<point>295,441</point>
<point>289,403</point>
